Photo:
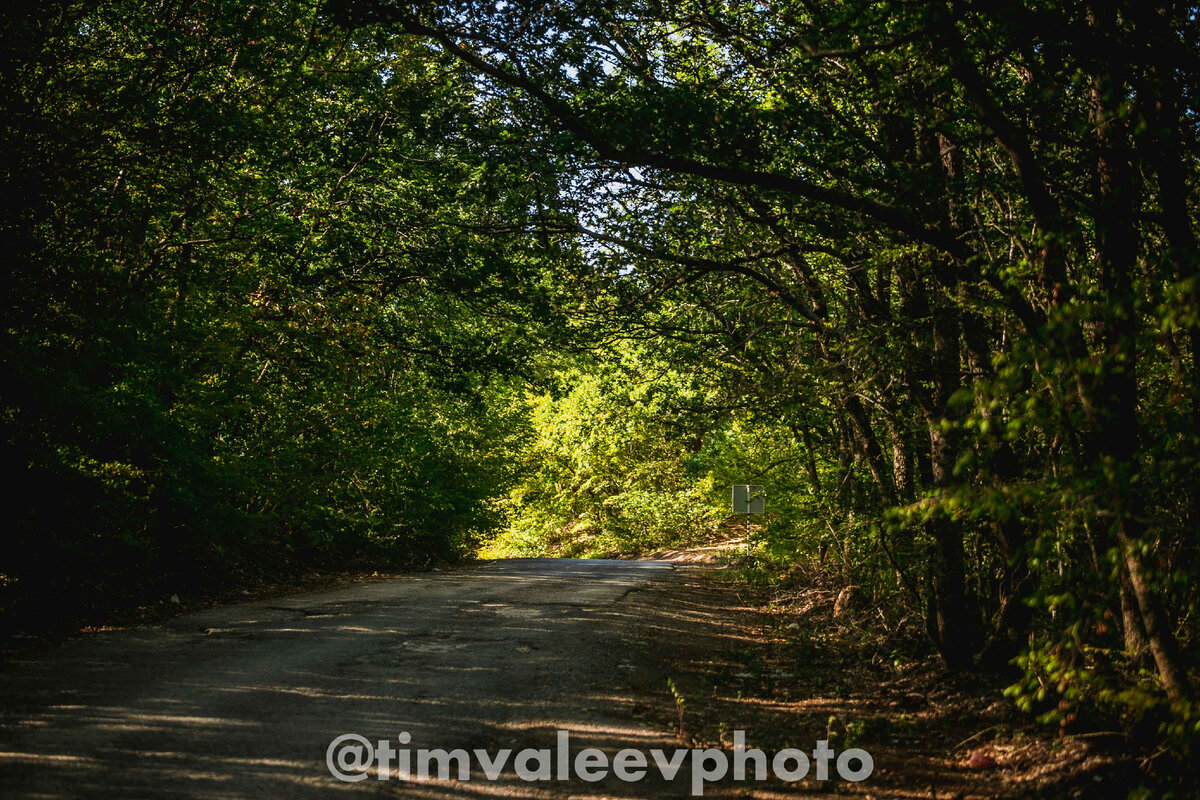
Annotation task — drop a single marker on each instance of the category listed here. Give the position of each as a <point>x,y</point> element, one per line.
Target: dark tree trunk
<point>810,458</point>
<point>1113,404</point>
<point>1132,629</point>
<point>957,632</point>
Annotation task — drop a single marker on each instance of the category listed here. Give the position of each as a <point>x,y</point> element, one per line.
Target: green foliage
<point>257,316</point>
<point>607,471</point>
<point>680,707</point>
<point>292,283</point>
<point>941,254</point>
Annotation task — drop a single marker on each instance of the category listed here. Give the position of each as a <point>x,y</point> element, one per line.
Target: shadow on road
<point>243,701</point>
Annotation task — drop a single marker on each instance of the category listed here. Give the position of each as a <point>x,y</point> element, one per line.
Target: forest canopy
<point>295,284</point>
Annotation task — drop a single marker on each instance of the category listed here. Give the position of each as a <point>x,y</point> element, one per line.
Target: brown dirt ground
<point>776,664</point>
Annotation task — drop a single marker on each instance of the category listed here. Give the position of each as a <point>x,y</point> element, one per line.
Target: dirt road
<point>243,701</point>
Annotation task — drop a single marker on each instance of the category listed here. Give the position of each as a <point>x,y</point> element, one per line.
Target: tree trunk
<point>957,632</point>
<point>1113,404</point>
<point>1132,630</point>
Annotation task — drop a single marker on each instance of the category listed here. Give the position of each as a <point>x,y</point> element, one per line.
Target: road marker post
<point>748,499</point>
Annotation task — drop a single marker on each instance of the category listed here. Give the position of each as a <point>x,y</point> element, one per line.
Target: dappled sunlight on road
<point>244,700</point>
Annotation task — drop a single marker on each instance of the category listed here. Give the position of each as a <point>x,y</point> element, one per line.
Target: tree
<point>949,185</point>
<point>261,306</point>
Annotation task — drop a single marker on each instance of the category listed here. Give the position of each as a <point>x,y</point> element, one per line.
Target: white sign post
<point>748,499</point>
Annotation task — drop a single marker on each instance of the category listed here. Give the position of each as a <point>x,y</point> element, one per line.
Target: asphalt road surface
<point>243,701</point>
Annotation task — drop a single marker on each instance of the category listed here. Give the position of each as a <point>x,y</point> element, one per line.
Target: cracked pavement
<point>242,701</point>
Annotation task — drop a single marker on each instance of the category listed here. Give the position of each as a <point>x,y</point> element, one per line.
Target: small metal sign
<point>748,499</point>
